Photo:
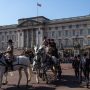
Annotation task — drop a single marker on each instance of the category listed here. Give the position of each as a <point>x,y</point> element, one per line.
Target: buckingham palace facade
<point>30,31</point>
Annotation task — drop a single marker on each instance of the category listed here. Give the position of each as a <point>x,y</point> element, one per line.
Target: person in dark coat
<point>54,48</point>
<point>75,65</point>
<point>45,41</point>
<point>52,43</point>
<point>85,68</point>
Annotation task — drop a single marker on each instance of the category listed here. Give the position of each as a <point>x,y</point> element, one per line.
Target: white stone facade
<point>30,31</point>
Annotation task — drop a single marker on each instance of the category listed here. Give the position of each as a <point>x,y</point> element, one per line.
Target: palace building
<point>30,31</point>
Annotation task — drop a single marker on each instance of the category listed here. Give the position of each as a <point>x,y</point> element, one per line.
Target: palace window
<point>77,26</point>
<point>3,38</point>
<point>66,42</point>
<point>59,33</point>
<point>88,31</point>
<point>81,41</point>
<point>81,31</point>
<point>50,28</point>
<point>56,28</point>
<point>59,42</point>
<point>66,33</point>
<point>84,25</point>
<point>70,26</point>
<point>20,34</point>
<point>8,37</point>
<point>13,37</point>
<point>14,32</point>
<point>10,32</point>
<point>53,33</point>
<point>63,27</point>
<point>0,33</point>
<point>73,32</point>
<point>88,41</point>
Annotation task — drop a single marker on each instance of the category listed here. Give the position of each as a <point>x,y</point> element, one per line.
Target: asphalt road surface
<point>67,82</point>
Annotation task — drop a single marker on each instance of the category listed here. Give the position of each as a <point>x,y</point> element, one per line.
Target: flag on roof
<point>38,4</point>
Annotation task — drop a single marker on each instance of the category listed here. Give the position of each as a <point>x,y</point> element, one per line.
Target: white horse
<point>47,62</point>
<point>20,63</point>
<point>37,64</point>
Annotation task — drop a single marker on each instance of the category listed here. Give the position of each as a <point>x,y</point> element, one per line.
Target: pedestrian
<point>75,65</point>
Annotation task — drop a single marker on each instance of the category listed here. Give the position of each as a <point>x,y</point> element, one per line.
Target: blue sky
<point>12,10</point>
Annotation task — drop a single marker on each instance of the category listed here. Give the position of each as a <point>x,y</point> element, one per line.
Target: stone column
<point>37,37</point>
<point>22,38</point>
<point>18,39</point>
<point>40,36</point>
<point>27,40</point>
<point>32,38</point>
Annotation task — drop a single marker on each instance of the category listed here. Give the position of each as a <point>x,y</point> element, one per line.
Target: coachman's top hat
<point>10,41</point>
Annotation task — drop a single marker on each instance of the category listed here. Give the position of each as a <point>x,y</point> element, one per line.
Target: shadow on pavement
<point>22,87</point>
<point>67,81</point>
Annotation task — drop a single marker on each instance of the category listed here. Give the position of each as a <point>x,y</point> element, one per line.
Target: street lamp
<point>77,46</point>
<point>85,49</point>
<point>62,49</point>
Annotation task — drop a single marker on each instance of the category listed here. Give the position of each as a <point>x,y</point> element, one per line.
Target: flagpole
<point>38,5</point>
<point>37,8</point>
<point>37,31</point>
<point>37,12</point>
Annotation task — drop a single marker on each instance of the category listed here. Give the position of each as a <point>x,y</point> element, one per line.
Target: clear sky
<point>12,10</point>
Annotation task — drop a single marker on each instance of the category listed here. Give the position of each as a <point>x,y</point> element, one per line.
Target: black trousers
<point>9,64</point>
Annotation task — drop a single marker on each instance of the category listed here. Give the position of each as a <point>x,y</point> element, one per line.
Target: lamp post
<point>86,50</point>
<point>62,49</point>
<point>77,46</point>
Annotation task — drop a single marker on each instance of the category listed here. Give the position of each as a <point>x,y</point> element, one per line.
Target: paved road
<point>68,82</point>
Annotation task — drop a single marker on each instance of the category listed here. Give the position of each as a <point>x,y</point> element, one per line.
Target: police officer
<point>29,53</point>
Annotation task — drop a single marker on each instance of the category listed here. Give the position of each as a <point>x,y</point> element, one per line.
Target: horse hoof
<point>27,85</point>
<point>57,79</point>
<point>29,80</point>
<point>40,75</point>
<point>18,86</point>
<point>37,82</point>
<point>5,83</point>
<point>43,79</point>
<point>80,82</point>
<point>87,86</point>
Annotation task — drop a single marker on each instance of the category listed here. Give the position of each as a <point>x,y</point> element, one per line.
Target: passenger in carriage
<point>52,43</point>
<point>9,54</point>
<point>26,52</point>
<point>54,48</point>
<point>29,53</point>
<point>45,41</point>
<point>51,50</point>
<point>56,62</point>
